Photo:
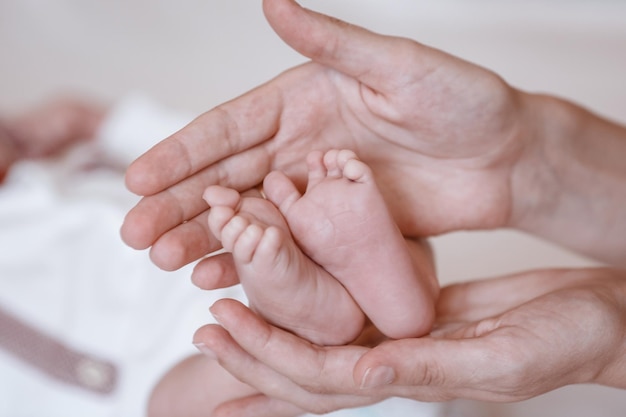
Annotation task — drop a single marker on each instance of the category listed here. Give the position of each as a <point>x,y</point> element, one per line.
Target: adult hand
<point>504,339</point>
<point>441,135</point>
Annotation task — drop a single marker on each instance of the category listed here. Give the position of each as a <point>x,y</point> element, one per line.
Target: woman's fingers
<point>248,366</point>
<point>216,271</point>
<point>156,215</point>
<point>226,130</point>
<point>327,369</point>
<point>429,369</point>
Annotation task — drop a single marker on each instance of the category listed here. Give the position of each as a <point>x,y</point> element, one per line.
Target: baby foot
<point>344,225</point>
<point>281,283</point>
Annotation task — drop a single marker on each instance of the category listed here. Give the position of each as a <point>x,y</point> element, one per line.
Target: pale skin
<point>503,339</point>
<point>452,147</point>
<point>8,152</point>
<point>290,290</point>
<point>481,348</point>
<point>47,129</point>
<point>338,234</point>
<point>282,283</point>
<point>195,387</point>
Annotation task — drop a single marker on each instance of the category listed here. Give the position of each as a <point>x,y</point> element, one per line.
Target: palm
<point>541,320</point>
<point>447,149</point>
<point>434,129</point>
<point>503,339</point>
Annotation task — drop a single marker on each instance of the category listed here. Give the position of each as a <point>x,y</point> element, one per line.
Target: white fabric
<point>65,270</point>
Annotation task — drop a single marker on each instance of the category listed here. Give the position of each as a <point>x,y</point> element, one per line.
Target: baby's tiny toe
<point>232,230</point>
<point>219,216</point>
<point>247,242</point>
<point>216,195</point>
<point>356,170</point>
<point>332,164</point>
<point>345,155</point>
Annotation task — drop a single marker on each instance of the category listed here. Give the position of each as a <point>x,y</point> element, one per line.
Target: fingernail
<point>205,350</point>
<point>377,377</point>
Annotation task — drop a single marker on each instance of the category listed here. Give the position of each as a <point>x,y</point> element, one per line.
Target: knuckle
<point>314,381</point>
<point>430,374</point>
<point>516,371</point>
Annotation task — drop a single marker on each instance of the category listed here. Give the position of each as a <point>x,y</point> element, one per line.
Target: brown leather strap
<point>55,359</point>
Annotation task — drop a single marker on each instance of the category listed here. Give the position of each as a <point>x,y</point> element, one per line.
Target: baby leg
<point>8,152</point>
<point>195,387</point>
<point>282,284</point>
<point>344,225</point>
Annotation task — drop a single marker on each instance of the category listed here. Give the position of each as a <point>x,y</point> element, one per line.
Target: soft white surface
<point>65,271</point>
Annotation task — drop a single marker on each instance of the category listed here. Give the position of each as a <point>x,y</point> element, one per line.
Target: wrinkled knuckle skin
<point>429,375</point>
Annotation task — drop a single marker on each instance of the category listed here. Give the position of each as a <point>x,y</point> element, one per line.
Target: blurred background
<point>190,55</point>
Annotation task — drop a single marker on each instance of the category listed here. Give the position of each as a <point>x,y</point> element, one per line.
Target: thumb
<point>350,49</point>
<point>427,362</point>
